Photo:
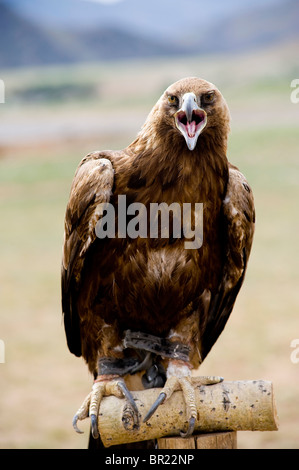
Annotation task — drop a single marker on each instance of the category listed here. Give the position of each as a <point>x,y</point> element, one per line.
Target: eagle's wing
<point>238,220</point>
<point>92,186</point>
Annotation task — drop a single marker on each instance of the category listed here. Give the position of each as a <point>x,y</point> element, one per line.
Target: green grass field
<point>42,384</point>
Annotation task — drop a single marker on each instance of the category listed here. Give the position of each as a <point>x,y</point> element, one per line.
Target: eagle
<point>153,303</point>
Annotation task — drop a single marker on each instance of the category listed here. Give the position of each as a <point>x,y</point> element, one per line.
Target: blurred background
<point>81,75</point>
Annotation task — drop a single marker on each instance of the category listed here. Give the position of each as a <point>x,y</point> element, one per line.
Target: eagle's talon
<point>190,429</point>
<point>82,413</point>
<point>94,426</point>
<point>127,394</point>
<point>161,398</point>
<point>103,386</point>
<point>179,378</point>
<point>75,420</point>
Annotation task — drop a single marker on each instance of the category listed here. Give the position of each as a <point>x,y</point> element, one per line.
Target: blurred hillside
<point>24,43</point>
<point>42,33</point>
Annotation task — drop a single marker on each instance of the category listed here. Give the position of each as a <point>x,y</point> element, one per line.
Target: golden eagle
<point>147,302</point>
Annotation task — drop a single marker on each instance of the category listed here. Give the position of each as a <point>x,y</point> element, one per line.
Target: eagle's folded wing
<point>238,229</point>
<point>92,186</point>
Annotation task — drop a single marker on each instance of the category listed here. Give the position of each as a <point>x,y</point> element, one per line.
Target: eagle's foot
<point>179,378</point>
<point>104,385</point>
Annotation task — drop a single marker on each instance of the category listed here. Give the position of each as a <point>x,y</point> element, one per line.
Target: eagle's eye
<point>208,98</point>
<point>172,99</point>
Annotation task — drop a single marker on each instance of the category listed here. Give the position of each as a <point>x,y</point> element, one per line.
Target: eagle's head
<point>191,107</point>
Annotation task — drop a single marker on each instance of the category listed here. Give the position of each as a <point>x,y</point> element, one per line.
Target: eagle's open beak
<point>190,119</point>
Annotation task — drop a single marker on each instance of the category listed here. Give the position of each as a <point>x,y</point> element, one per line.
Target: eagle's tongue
<point>191,128</point>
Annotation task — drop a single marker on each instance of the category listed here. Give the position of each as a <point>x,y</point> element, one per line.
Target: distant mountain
<point>41,32</point>
<point>170,20</point>
<point>22,43</point>
<point>266,25</point>
<point>25,43</point>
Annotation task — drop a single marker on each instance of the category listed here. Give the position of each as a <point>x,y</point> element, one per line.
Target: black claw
<point>152,373</point>
<point>94,426</point>
<point>190,429</point>
<point>75,420</point>
<point>157,403</point>
<point>122,386</point>
<point>154,377</point>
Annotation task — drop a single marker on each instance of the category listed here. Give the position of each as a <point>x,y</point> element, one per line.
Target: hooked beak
<point>190,120</point>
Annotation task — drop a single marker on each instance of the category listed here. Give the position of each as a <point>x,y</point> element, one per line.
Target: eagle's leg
<point>179,378</point>
<point>104,385</point>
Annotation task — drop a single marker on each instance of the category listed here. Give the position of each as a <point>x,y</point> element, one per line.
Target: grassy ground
<point>42,384</point>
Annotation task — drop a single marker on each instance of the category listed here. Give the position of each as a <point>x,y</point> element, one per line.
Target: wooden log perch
<point>226,406</point>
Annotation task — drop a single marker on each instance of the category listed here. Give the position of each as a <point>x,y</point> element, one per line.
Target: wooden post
<point>222,407</point>
<point>213,440</point>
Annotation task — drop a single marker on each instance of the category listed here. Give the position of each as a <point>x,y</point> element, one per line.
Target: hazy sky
<point>159,18</point>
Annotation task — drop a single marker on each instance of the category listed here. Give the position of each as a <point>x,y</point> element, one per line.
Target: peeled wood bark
<point>226,406</point>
